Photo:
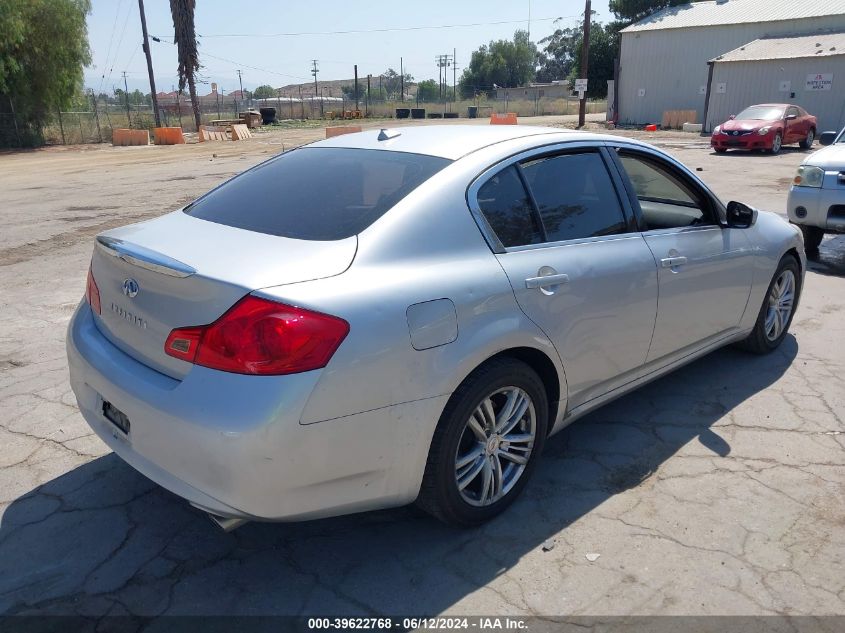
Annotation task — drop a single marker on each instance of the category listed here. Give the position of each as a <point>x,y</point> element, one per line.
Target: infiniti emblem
<point>130,287</point>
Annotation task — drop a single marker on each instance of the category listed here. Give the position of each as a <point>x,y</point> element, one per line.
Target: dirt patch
<point>26,252</point>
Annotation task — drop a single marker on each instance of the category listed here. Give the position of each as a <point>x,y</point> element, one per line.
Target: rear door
<point>578,268</point>
<point>704,268</point>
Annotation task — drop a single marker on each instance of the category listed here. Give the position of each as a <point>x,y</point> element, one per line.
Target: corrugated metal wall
<point>670,66</point>
<point>753,82</point>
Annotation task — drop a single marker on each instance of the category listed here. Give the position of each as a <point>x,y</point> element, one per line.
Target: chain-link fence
<point>96,125</point>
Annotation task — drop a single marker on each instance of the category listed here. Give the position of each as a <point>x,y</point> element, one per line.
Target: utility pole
<point>314,71</point>
<point>443,63</point>
<point>240,81</point>
<point>454,75</point>
<point>356,86</point>
<point>368,95</point>
<point>126,96</point>
<point>585,63</point>
<point>529,20</point>
<point>402,79</point>
<point>146,47</point>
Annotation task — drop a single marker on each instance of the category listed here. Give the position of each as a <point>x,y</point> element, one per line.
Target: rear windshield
<point>317,193</point>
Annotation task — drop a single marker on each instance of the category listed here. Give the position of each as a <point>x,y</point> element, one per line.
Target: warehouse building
<point>664,59</point>
<point>806,70</point>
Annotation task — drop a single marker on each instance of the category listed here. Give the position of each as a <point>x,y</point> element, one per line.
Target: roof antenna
<point>386,135</point>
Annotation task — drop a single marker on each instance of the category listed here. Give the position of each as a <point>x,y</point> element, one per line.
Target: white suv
<point>817,195</point>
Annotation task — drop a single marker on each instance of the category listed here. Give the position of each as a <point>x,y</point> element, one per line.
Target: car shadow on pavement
<point>786,150</point>
<point>103,539</point>
<point>830,260</point>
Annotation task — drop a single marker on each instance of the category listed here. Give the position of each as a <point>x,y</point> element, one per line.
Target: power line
<point>108,50</point>
<point>205,53</point>
<point>386,29</point>
<point>119,42</point>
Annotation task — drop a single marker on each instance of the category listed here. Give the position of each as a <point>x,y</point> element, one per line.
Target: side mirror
<point>740,216</point>
<point>827,138</point>
<point>732,117</point>
<point>791,117</point>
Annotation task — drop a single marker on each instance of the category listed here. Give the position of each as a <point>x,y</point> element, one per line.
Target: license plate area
<point>116,417</point>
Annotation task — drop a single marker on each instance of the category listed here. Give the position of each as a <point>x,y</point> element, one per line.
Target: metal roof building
<point>800,70</point>
<point>664,59</point>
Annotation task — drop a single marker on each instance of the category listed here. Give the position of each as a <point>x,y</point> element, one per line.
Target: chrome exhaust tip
<point>227,524</point>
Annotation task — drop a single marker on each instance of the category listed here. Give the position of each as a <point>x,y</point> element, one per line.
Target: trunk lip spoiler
<point>143,257</point>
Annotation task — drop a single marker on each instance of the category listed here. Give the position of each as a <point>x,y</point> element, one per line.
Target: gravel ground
<point>719,489</point>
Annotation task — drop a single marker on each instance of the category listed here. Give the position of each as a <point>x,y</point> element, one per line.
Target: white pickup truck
<point>817,195</point>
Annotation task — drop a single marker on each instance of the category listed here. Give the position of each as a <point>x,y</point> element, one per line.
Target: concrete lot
<point>717,490</point>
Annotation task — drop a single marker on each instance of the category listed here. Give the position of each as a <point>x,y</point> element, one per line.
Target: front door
<point>704,268</point>
<point>576,268</point>
<point>795,127</point>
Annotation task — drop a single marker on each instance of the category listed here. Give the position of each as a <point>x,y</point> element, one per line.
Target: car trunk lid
<point>178,271</point>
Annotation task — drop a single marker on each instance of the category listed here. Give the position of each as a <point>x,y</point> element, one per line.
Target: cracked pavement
<point>719,489</point>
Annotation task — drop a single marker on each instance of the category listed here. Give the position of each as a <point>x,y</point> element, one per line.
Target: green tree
<point>604,47</point>
<point>136,97</point>
<point>630,11</point>
<point>264,92</point>
<point>504,63</point>
<point>557,58</point>
<point>43,49</point>
<point>427,90</point>
<point>393,82</point>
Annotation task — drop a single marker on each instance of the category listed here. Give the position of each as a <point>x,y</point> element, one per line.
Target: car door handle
<point>671,262</point>
<point>546,280</point>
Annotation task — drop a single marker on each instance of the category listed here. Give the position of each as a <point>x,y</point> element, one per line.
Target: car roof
<point>451,141</point>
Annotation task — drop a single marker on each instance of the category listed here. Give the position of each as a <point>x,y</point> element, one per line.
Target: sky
<point>274,42</point>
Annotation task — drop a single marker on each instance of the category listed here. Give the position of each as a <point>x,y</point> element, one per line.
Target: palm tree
<point>185,37</point>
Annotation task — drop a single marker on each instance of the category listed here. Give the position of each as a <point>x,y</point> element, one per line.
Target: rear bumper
<point>233,445</point>
<point>817,206</point>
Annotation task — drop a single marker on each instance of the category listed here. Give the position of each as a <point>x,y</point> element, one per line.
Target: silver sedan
<point>406,315</point>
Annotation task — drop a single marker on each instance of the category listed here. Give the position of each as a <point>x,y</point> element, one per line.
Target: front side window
<point>552,199</point>
<point>665,199</point>
<point>317,193</point>
<point>575,196</point>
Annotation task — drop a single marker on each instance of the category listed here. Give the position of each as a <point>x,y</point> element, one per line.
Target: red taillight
<point>92,293</point>
<point>258,336</point>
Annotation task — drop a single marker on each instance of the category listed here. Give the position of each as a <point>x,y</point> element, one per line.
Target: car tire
<point>450,491</point>
<point>807,143</point>
<point>812,238</point>
<point>777,144</point>
<point>720,150</point>
<point>773,320</point>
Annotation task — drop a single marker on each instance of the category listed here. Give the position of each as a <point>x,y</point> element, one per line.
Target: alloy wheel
<point>781,302</point>
<point>776,144</point>
<point>495,446</point>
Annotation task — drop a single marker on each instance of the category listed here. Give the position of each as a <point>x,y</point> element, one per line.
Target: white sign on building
<point>823,81</point>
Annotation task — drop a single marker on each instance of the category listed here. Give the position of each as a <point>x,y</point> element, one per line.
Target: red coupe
<point>768,126</point>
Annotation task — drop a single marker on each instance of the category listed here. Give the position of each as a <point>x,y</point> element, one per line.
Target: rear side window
<point>507,209</point>
<point>317,193</point>
<point>575,196</point>
<point>572,196</point>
